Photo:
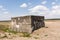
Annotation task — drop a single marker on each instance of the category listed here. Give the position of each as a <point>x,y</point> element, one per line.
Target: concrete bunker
<point>27,23</point>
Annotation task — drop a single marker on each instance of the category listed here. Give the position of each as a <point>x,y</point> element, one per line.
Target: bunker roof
<point>29,16</point>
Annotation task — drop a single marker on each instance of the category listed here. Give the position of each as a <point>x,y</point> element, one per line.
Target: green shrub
<point>6,29</point>
<point>25,34</point>
<point>14,32</point>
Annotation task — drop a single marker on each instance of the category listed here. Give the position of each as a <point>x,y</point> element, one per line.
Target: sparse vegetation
<point>4,36</point>
<point>36,37</point>
<point>46,35</point>
<point>37,34</point>
<point>25,34</point>
<point>14,32</point>
<point>41,34</point>
<point>46,27</point>
<point>6,29</point>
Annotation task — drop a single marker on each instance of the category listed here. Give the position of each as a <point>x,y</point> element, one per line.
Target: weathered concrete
<point>27,23</point>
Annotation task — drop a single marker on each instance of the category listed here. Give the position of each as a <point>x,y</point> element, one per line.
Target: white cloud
<point>24,5</point>
<point>29,3</point>
<point>4,9</point>
<point>38,8</point>
<point>44,2</point>
<point>54,12</point>
<point>53,3</point>
<point>56,0</point>
<point>4,14</point>
<point>5,17</point>
<point>1,6</point>
<point>56,7</point>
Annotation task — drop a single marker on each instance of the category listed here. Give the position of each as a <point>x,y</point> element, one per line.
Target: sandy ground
<point>50,32</point>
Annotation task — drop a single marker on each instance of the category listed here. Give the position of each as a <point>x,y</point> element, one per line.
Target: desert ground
<point>51,31</point>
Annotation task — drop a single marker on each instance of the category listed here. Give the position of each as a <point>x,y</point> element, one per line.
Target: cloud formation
<point>1,6</point>
<point>44,2</point>
<point>38,8</point>
<point>4,14</point>
<point>24,5</point>
<point>53,3</point>
<point>56,0</point>
<point>54,12</point>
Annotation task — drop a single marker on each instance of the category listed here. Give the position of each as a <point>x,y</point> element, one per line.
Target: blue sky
<point>12,8</point>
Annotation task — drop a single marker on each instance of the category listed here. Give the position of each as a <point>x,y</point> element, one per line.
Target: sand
<point>51,31</point>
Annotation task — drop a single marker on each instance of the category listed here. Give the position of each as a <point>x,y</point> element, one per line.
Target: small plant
<point>5,36</point>
<point>14,32</point>
<point>46,27</point>
<point>37,34</point>
<point>36,37</point>
<point>4,27</point>
<point>8,30</point>
<point>46,35</point>
<point>26,34</point>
